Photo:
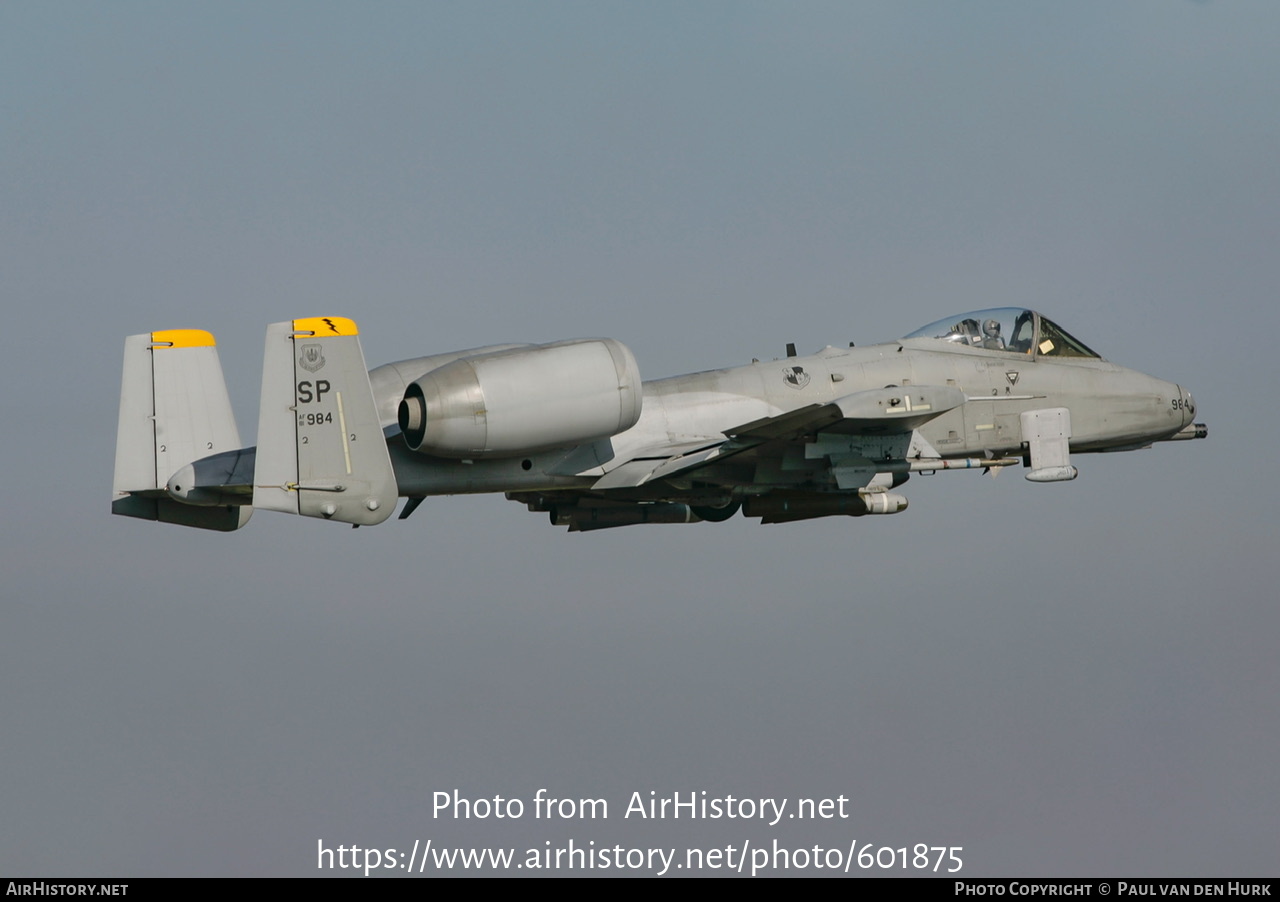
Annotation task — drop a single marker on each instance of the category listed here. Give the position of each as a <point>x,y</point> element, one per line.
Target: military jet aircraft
<point>569,429</point>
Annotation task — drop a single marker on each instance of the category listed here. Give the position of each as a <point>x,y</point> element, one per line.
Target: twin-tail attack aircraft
<point>569,429</point>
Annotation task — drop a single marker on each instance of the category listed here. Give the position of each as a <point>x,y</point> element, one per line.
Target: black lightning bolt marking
<point>332,327</point>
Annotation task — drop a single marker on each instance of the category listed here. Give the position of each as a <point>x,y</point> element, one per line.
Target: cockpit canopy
<point>1008,329</point>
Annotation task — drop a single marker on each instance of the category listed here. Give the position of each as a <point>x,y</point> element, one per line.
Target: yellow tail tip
<point>326,325</point>
<point>183,338</point>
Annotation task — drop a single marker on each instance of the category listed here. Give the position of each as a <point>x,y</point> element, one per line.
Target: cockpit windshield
<point>1009,329</point>
<point>1055,341</point>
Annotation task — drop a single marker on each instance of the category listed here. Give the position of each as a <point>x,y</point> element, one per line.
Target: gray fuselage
<point>1111,407</point>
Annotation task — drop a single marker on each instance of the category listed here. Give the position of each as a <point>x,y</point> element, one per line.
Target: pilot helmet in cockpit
<point>991,335</point>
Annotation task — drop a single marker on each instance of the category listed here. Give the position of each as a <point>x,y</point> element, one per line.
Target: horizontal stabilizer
<point>225,478</point>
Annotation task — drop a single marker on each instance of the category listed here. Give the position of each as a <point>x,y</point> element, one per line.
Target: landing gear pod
<point>1047,433</point>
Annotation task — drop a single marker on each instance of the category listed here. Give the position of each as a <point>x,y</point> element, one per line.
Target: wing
<point>838,458</point>
<point>882,411</point>
<point>875,422</point>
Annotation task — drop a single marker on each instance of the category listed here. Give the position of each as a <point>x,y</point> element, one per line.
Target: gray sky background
<point>1064,680</point>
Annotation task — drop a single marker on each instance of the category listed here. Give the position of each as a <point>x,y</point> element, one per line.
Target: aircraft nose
<point>1187,403</point>
<point>1190,428</point>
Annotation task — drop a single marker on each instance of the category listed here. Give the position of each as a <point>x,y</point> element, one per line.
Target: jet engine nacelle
<point>523,400</point>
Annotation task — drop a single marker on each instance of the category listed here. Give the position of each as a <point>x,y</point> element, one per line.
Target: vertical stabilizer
<point>321,452</point>
<point>174,410</point>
